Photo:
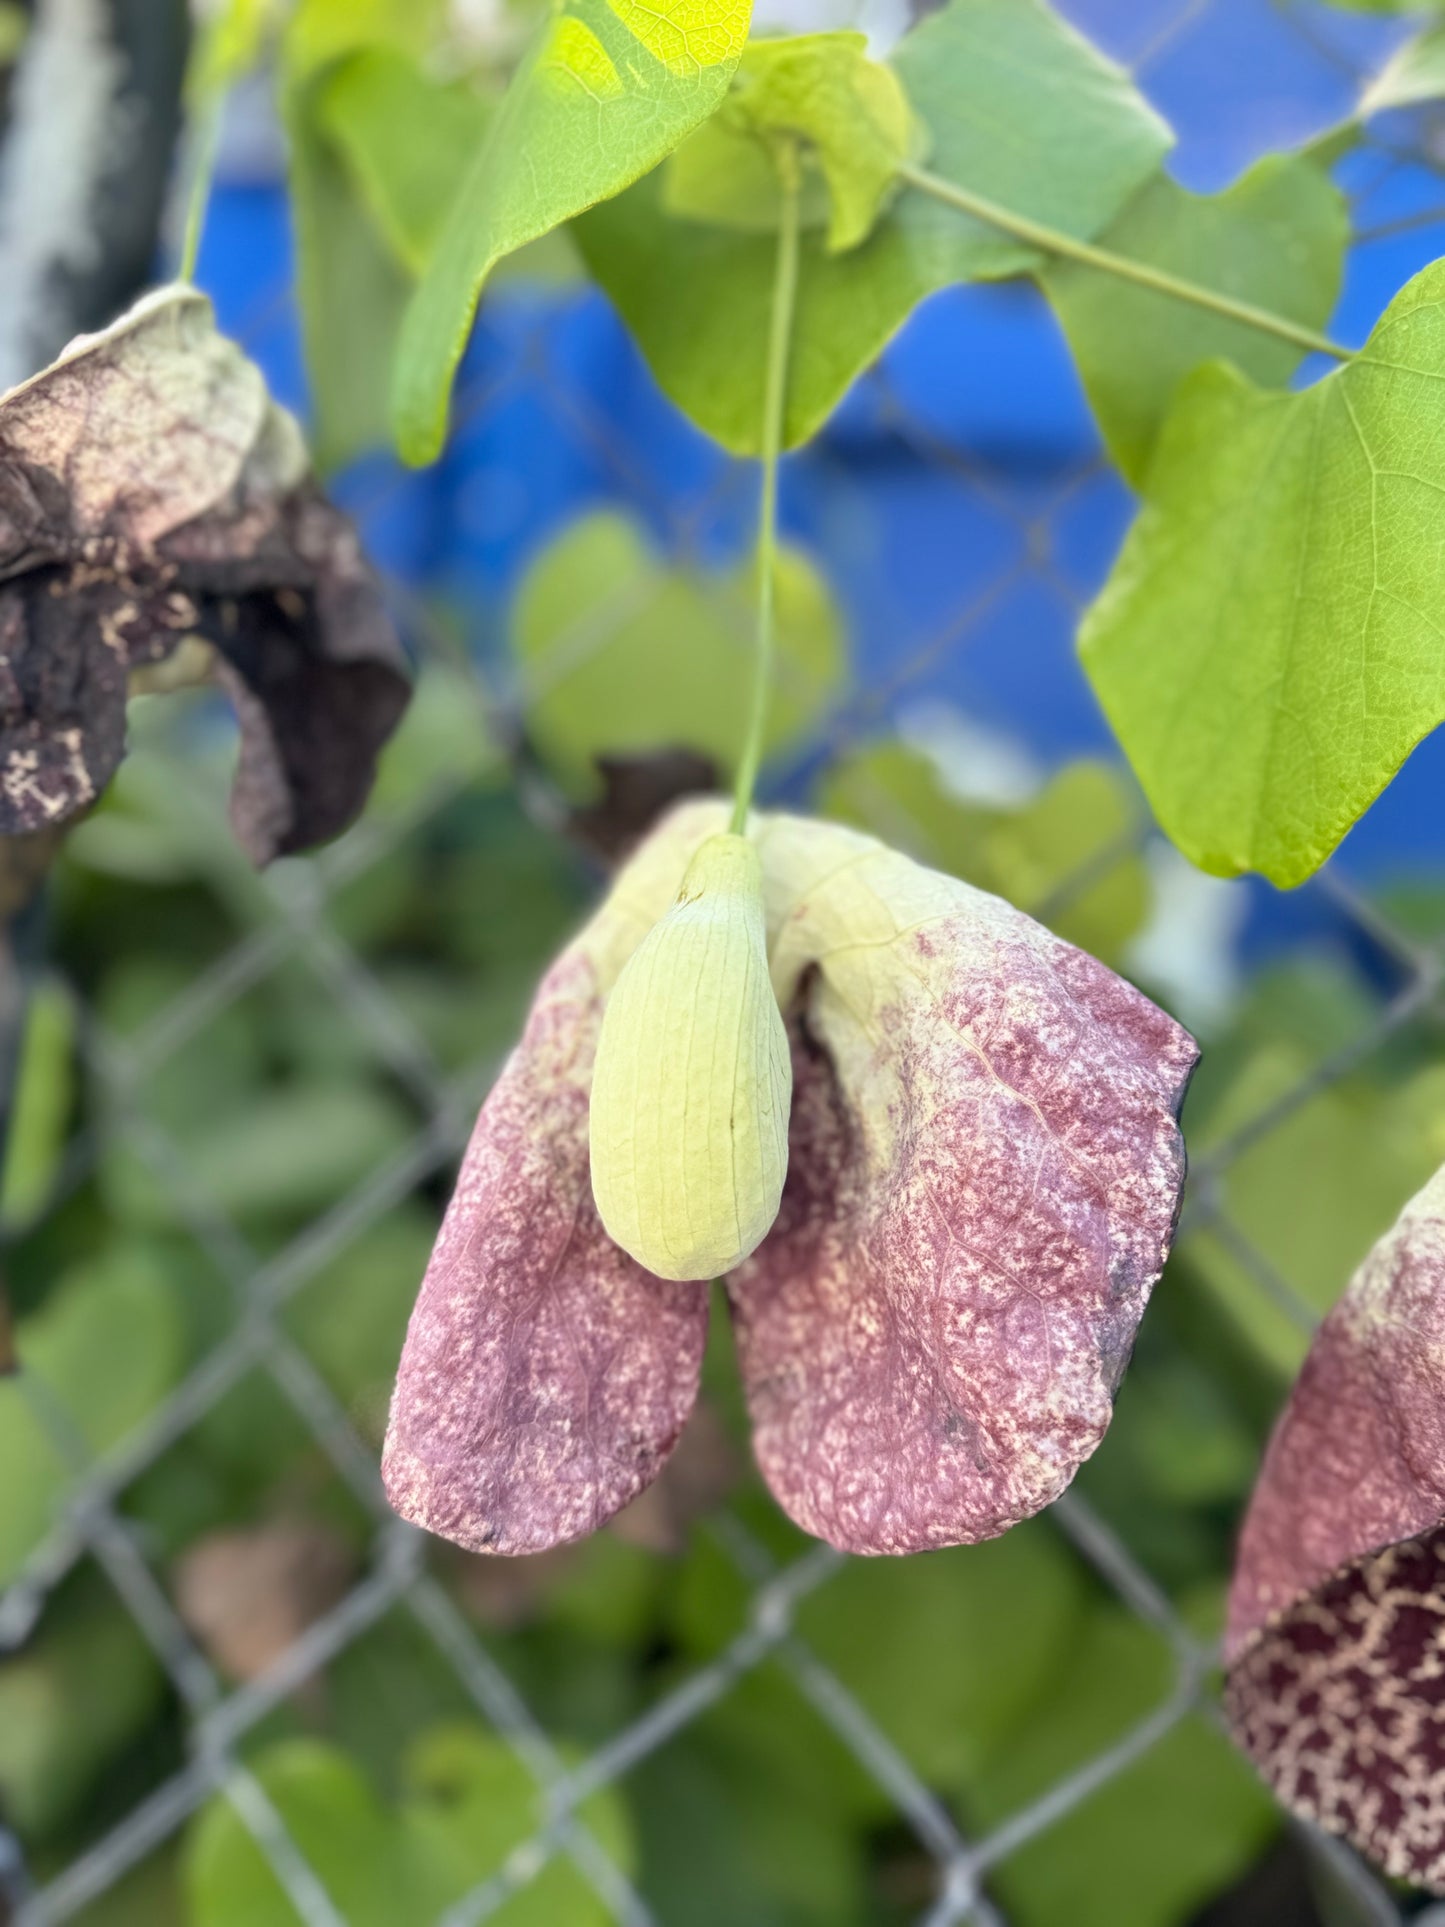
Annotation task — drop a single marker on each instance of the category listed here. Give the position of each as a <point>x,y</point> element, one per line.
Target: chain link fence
<point>294,922</point>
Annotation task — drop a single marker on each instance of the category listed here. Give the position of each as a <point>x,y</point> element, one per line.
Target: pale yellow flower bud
<point>693,1081</point>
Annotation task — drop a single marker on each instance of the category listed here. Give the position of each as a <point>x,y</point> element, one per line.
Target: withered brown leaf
<point>151,491</point>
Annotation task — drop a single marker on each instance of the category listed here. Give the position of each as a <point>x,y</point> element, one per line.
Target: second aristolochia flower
<point>983,1177</point>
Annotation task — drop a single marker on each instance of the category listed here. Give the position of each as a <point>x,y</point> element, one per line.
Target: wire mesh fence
<point>1019,546</point>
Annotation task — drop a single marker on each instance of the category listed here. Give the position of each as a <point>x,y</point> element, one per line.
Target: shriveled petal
<point>984,1177</point>
<point>546,1375</point>
<point>150,490</point>
<point>1337,1610</point>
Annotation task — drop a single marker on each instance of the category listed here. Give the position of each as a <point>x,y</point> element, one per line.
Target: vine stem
<point>208,141</point>
<point>775,394</point>
<point>1157,280</point>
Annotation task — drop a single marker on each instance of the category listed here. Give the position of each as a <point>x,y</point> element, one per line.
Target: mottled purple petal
<point>1336,1686</point>
<point>984,1177</point>
<point>546,1375</point>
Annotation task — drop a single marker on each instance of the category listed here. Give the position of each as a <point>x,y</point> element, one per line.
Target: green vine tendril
<point>1157,280</point>
<point>208,141</point>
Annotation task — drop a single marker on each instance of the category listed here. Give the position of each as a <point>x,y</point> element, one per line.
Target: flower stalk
<point>775,396</point>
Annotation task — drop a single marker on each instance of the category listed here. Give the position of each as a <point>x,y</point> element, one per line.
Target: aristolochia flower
<point>1336,1637</point>
<point>983,1176</point>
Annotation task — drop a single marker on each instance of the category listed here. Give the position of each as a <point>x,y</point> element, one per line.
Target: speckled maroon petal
<point>984,1177</point>
<point>1336,1639</point>
<point>546,1376</point>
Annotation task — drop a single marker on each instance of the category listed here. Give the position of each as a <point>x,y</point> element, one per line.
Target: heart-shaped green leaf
<point>697,297</point>
<point>608,91</point>
<point>1276,239</point>
<point>1268,647</point>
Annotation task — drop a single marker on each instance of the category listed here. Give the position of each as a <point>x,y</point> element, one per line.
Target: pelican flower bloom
<point>932,1149</point>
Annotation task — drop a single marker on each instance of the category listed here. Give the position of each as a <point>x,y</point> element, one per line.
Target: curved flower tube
<point>983,1178</point>
<point>1337,1609</point>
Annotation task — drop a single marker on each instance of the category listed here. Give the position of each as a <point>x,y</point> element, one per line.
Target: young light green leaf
<point>849,114</point>
<point>1276,239</point>
<point>1413,74</point>
<point>608,92</point>
<point>697,297</point>
<point>1268,647</point>
<point>620,653</point>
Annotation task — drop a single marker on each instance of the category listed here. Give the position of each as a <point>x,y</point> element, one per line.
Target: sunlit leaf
<point>620,653</point>
<point>697,297</point>
<point>608,90</point>
<point>1276,238</point>
<point>1267,647</point>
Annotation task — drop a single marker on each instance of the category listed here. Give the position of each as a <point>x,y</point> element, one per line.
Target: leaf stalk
<point>775,394</point>
<point>208,141</point>
<point>1157,280</point>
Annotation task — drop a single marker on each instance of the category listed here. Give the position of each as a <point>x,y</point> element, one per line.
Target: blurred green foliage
<point>619,652</point>
<point>465,1800</point>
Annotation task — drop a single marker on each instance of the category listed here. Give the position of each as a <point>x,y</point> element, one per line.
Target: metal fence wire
<point>293,921</point>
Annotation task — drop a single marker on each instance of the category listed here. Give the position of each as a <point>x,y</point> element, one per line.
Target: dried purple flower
<point>1336,1637</point>
<point>151,491</point>
<point>983,1180</point>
